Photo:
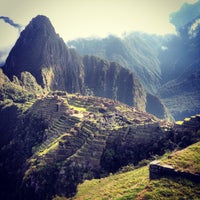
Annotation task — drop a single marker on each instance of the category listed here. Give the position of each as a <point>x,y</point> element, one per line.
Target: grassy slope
<point>187,159</point>
<point>135,184</point>
<point>118,186</point>
<point>171,189</point>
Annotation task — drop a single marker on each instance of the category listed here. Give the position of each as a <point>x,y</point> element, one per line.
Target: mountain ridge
<point>131,52</point>
<point>165,65</point>
<point>44,51</point>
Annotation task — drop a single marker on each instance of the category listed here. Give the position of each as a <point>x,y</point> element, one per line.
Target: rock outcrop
<point>40,51</point>
<point>157,171</point>
<point>136,52</point>
<point>109,79</point>
<point>183,164</point>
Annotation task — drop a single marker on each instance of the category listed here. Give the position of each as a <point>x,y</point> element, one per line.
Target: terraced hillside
<point>85,137</point>
<point>62,139</point>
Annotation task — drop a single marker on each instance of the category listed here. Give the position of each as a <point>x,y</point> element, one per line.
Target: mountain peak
<point>42,23</point>
<point>41,18</point>
<point>40,51</point>
<point>27,54</point>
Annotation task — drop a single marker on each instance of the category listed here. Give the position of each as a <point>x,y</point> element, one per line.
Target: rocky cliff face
<point>42,53</point>
<point>137,52</point>
<point>112,81</point>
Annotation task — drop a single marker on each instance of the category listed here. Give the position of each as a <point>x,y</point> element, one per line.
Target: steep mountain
<point>136,52</point>
<point>114,82</point>
<point>41,52</point>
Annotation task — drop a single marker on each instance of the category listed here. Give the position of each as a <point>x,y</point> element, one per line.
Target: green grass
<point>179,122</point>
<point>187,159</point>
<point>118,186</point>
<point>171,189</point>
<point>52,146</point>
<point>135,184</point>
<point>79,109</point>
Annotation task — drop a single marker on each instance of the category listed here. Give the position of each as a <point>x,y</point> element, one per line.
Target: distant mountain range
<point>136,52</point>
<point>167,66</point>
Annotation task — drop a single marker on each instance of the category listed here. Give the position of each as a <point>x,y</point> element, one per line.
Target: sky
<point>90,18</point>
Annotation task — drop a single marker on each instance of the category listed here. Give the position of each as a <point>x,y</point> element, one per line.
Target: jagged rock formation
<point>137,52</point>
<point>15,96</point>
<point>19,90</point>
<point>114,82</point>
<point>42,53</point>
<point>155,106</point>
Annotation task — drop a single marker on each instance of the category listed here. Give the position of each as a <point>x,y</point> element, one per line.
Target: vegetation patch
<point>51,147</point>
<point>187,119</point>
<point>179,122</point>
<point>187,159</point>
<point>118,186</point>
<point>79,109</point>
<point>176,189</point>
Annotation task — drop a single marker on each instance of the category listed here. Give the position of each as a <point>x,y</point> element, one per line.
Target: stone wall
<point>157,171</point>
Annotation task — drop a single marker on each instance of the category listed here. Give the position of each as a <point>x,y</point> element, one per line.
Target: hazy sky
<point>85,18</point>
